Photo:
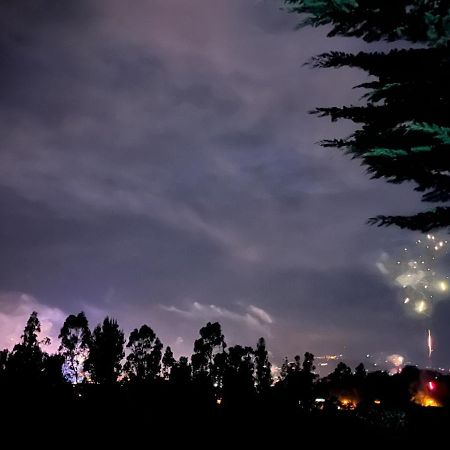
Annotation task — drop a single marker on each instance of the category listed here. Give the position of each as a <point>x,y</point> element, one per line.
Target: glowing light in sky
<point>430,344</point>
<point>396,360</point>
<point>419,271</point>
<point>420,307</point>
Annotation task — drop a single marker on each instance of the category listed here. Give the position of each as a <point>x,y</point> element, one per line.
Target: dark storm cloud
<point>159,155</point>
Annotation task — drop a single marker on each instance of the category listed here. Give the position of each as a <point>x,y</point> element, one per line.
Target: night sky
<point>158,164</point>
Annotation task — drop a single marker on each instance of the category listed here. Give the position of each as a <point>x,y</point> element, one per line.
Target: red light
<point>431,385</point>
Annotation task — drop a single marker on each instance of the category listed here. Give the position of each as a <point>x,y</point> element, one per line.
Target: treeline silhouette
<point>101,376</point>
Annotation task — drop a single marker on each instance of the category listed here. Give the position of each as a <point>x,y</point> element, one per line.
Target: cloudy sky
<point>158,164</point>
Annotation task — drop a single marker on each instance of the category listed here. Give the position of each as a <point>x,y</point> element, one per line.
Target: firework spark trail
<point>430,344</point>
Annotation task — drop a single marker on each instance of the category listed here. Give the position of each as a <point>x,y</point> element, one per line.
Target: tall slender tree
<point>168,362</point>
<point>25,364</point>
<point>75,337</point>
<point>106,351</point>
<point>284,369</point>
<point>262,366</point>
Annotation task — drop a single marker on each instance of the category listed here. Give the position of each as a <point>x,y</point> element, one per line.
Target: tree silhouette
<point>308,377</point>
<point>53,369</point>
<point>238,374</point>
<point>218,368</point>
<point>222,396</point>
<point>341,373</point>
<point>25,364</point>
<point>308,363</point>
<point>404,133</point>
<point>421,21</point>
<point>144,360</point>
<point>106,350</point>
<point>180,375</point>
<point>284,370</point>
<point>155,358</point>
<point>75,337</point>
<point>297,386</point>
<point>4,355</point>
<point>211,340</point>
<point>168,362</point>
<point>360,372</point>
<point>262,366</point>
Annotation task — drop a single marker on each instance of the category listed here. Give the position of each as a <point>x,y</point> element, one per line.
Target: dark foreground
<point>125,416</point>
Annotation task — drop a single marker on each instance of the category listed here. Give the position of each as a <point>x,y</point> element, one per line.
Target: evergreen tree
<point>106,350</point>
<point>404,125</point>
<point>418,21</point>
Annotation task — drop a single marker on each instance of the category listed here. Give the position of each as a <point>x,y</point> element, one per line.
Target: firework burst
<point>418,272</point>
